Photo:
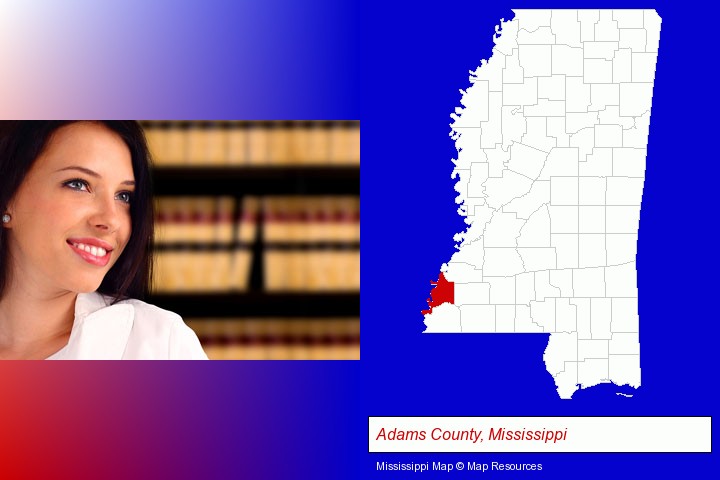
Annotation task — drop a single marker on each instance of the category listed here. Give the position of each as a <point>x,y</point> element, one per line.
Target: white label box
<point>540,434</point>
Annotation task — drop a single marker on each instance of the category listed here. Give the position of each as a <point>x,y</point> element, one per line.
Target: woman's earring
<point>6,218</point>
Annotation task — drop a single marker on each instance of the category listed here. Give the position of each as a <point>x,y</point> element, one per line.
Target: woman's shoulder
<point>158,331</point>
<point>148,315</point>
<point>152,313</point>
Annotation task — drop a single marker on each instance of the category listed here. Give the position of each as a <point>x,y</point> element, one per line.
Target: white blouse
<point>128,330</point>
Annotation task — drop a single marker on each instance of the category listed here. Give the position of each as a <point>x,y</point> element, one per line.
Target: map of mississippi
<point>552,141</point>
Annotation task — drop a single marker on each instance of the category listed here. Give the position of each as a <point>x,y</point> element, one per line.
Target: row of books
<point>319,270</point>
<point>304,244</point>
<point>244,143</point>
<point>279,339</point>
<point>282,219</point>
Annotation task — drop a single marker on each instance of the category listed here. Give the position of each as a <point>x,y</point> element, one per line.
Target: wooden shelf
<point>238,181</point>
<point>258,304</point>
<point>253,180</point>
<point>266,246</point>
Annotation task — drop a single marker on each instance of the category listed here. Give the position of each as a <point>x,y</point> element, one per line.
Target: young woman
<point>75,246</point>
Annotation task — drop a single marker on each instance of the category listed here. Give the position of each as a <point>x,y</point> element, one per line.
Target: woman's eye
<point>125,197</point>
<point>80,185</point>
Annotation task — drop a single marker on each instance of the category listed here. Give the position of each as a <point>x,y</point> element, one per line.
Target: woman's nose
<point>106,214</point>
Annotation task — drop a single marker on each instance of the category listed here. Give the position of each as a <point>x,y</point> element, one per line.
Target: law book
<point>311,243</point>
<point>237,144</point>
<point>175,143</point>
<point>280,137</point>
<point>318,143</point>
<point>279,338</point>
<point>206,143</point>
<point>258,134</point>
<point>224,221</point>
<point>155,135</point>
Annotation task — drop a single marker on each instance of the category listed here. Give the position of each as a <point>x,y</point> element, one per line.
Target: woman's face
<point>71,215</point>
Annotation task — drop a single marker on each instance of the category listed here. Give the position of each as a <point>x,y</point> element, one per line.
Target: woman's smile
<point>92,250</point>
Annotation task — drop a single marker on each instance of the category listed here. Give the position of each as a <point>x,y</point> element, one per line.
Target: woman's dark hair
<point>21,142</point>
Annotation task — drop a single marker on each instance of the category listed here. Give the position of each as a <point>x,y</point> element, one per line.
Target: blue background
<point>397,68</point>
<point>408,203</point>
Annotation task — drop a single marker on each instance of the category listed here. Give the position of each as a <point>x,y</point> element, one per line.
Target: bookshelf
<point>262,304</point>
<point>255,180</point>
<point>266,217</point>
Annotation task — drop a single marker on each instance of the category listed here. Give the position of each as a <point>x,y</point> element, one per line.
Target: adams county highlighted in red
<point>444,292</point>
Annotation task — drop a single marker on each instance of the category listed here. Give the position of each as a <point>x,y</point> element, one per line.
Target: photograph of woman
<point>75,237</point>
